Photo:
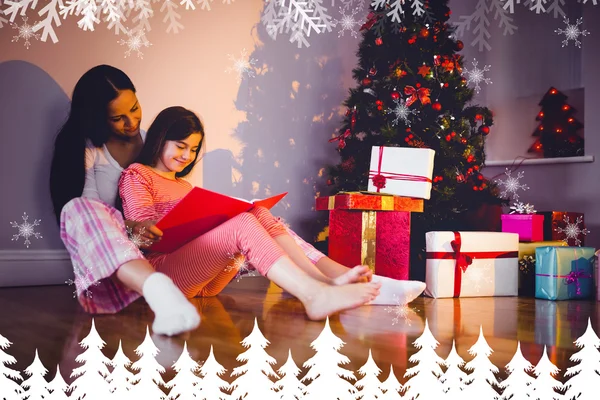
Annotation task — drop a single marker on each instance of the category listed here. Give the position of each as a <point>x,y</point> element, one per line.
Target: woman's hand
<point>148,233</point>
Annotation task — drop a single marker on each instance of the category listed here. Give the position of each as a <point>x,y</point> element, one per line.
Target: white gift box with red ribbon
<point>472,264</point>
<point>401,171</point>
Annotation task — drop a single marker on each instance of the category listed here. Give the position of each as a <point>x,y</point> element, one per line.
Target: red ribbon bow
<point>421,94</point>
<point>462,263</point>
<point>342,139</point>
<point>371,20</point>
<point>574,276</point>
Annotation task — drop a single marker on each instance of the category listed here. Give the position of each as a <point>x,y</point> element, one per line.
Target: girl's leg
<point>196,266</point>
<point>111,268</point>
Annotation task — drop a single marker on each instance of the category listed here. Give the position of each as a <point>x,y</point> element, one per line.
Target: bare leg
<point>320,299</point>
<point>289,245</point>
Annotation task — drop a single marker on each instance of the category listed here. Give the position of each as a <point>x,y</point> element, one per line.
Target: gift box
<point>471,264</point>
<point>401,171</point>
<point>557,223</point>
<point>527,265</point>
<point>370,230</point>
<point>563,273</point>
<point>530,227</point>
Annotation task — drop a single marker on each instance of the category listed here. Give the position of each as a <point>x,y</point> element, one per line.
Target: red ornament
<point>348,112</point>
<point>470,158</point>
<point>395,95</point>
<point>366,81</point>
<point>448,138</point>
<point>478,117</point>
<point>424,32</point>
<point>485,130</point>
<point>412,40</point>
<point>436,106</point>
<point>463,141</point>
<point>460,178</point>
<point>373,71</point>
<point>476,167</point>
<point>459,45</point>
<point>480,177</point>
<point>329,182</point>
<point>446,84</point>
<point>475,188</point>
<point>379,102</point>
<point>438,179</point>
<point>378,41</point>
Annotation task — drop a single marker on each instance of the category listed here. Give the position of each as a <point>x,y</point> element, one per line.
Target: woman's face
<point>125,114</point>
<point>178,154</point>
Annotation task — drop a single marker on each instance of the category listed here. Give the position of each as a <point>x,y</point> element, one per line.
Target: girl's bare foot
<point>331,299</point>
<point>360,273</point>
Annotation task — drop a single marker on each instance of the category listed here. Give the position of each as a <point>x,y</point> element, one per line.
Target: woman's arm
<point>90,188</point>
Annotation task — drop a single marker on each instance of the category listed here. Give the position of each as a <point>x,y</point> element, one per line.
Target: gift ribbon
<point>380,179</point>
<point>572,278</point>
<point>463,260</point>
<point>421,94</point>
<point>341,138</point>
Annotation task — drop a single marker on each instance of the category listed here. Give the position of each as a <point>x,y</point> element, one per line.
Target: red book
<point>200,211</point>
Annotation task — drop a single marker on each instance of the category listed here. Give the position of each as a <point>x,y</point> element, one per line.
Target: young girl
<point>151,188</point>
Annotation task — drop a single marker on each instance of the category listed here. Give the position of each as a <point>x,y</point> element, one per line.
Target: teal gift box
<point>563,273</point>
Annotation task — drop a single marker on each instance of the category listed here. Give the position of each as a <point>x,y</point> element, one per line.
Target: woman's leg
<point>111,272</point>
<point>198,267</point>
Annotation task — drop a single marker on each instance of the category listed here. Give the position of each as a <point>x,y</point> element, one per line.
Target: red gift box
<point>556,222</point>
<point>371,230</point>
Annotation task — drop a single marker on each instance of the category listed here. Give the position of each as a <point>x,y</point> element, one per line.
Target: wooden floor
<point>50,320</point>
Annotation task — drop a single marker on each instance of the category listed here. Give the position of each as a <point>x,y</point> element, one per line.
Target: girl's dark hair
<point>88,119</point>
<point>173,123</point>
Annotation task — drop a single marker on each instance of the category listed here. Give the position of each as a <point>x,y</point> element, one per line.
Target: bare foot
<point>360,273</point>
<point>331,299</point>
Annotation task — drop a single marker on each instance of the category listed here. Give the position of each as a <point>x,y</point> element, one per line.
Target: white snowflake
<point>135,41</point>
<point>572,32</point>
<point>402,112</point>
<point>475,277</point>
<point>361,136</point>
<point>83,281</point>
<point>134,241</point>
<point>401,311</point>
<point>572,230</point>
<point>522,208</point>
<point>26,32</point>
<point>240,263</point>
<point>512,184</point>
<point>477,75</point>
<point>242,66</point>
<point>26,229</point>
<point>348,22</point>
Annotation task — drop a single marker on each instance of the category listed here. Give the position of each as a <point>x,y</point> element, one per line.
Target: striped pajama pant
<point>95,236</point>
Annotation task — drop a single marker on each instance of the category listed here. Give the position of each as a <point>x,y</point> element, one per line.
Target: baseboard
<point>34,267</point>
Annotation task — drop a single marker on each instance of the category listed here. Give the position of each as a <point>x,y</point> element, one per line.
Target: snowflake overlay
<point>240,263</point>
<point>134,241</point>
<point>477,75</point>
<point>26,229</point>
<point>475,277</point>
<point>135,41</point>
<point>348,22</point>
<point>242,66</point>
<point>572,32</point>
<point>402,112</point>
<point>85,282</point>
<point>512,184</point>
<point>26,32</point>
<point>572,230</point>
<point>401,311</point>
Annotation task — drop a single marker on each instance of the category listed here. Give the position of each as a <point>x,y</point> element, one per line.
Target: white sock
<point>393,291</point>
<point>173,313</point>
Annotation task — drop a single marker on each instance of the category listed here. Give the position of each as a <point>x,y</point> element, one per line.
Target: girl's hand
<point>148,232</point>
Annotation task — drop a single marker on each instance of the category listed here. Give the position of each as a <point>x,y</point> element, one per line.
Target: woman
<point>100,138</point>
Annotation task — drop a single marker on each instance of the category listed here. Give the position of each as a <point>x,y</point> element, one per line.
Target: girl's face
<point>178,154</point>
<point>125,115</point>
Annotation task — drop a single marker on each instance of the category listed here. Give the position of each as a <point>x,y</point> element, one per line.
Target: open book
<point>200,211</point>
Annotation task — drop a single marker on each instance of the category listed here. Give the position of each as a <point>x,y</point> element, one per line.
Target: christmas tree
<point>557,130</point>
<point>411,93</point>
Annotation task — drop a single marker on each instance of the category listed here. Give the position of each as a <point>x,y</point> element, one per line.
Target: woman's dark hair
<point>88,119</point>
<point>173,123</point>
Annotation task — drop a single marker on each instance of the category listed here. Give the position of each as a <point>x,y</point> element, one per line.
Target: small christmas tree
<point>479,382</point>
<point>425,383</point>
<point>91,381</point>
<point>517,385</point>
<point>391,387</point>
<point>454,378</point>
<point>186,383</point>
<point>325,373</point>
<point>120,378</point>
<point>212,384</point>
<point>557,131</point>
<point>253,380</point>
<point>58,387</point>
<point>147,380</point>
<point>36,385</point>
<point>543,387</point>
<point>585,379</point>
<point>370,384</point>
<point>10,388</point>
<point>289,387</point>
